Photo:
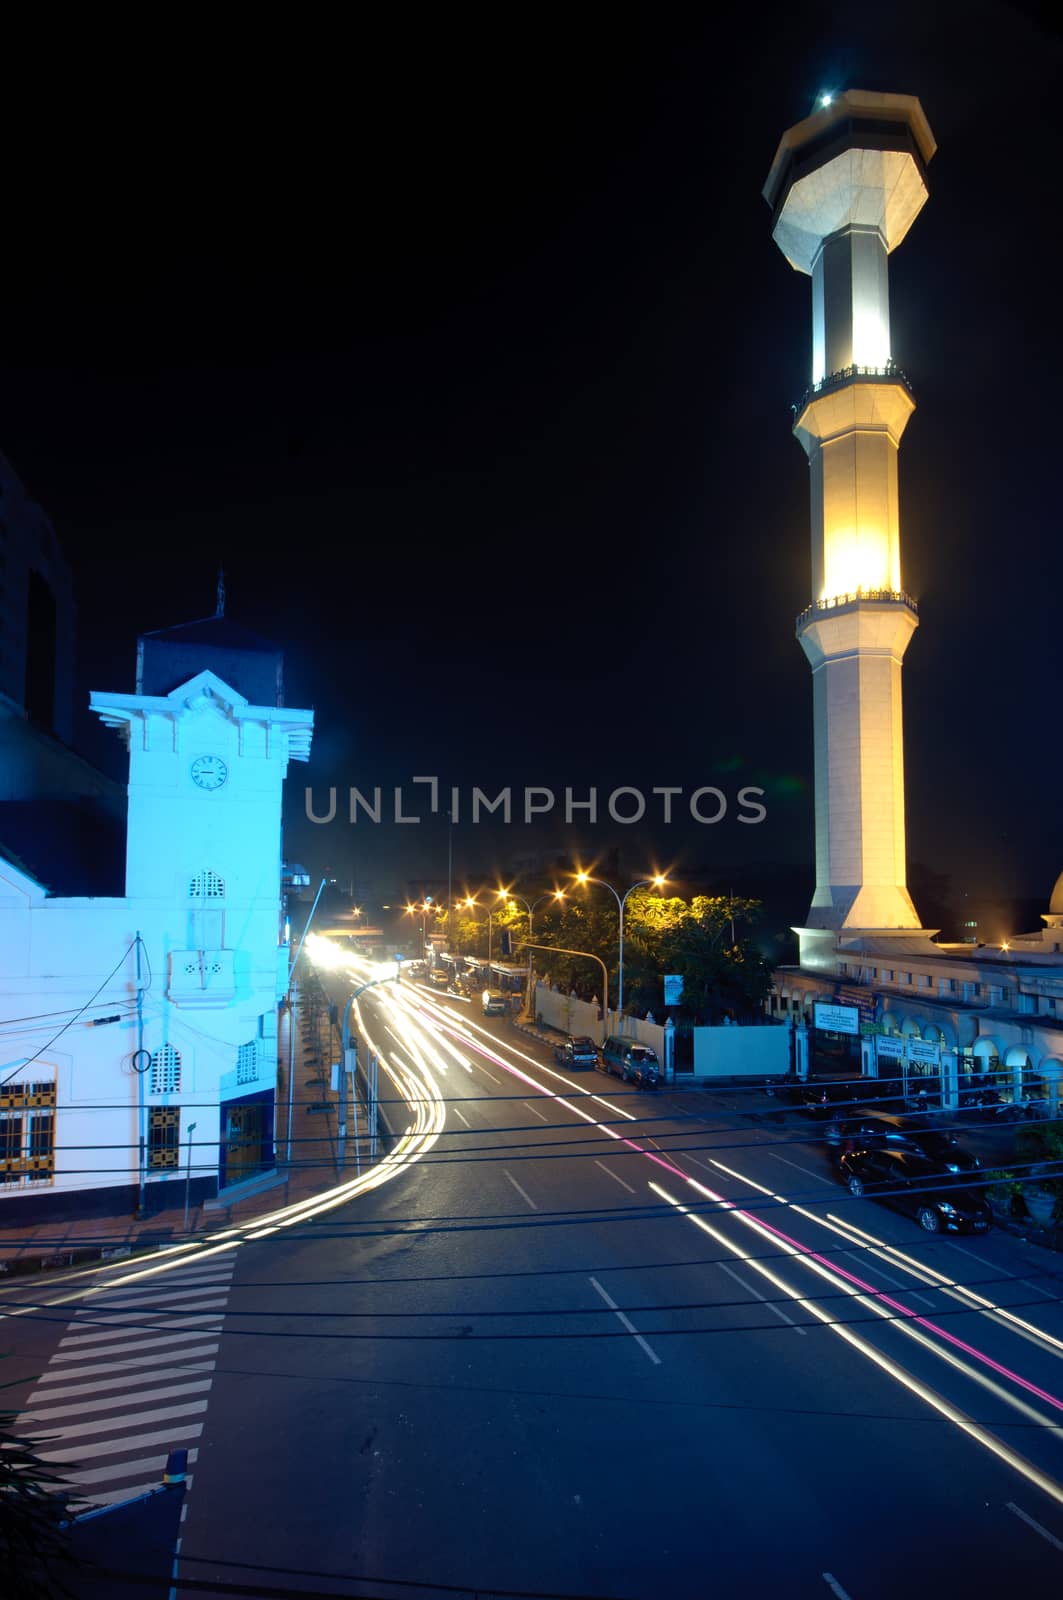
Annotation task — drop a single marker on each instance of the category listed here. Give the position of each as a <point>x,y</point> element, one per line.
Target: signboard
<point>862,999</point>
<point>673,989</point>
<point>889,1048</point>
<point>837,1019</point>
<point>923,1050</point>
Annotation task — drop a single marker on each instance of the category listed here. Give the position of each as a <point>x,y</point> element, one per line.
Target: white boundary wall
<point>751,1051</point>
<point>570,1015</point>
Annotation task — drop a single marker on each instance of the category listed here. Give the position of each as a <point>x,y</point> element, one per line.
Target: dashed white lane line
<point>866,1265</point>
<point>488,1075</point>
<point>522,1192</point>
<point>459,1116</point>
<point>832,1583</point>
<point>533,1111</point>
<point>611,1174</point>
<point>749,1289</point>
<point>1036,1526</point>
<point>798,1167</point>
<point>1026,1284</point>
<point>985,1266</point>
<point>628,1324</point>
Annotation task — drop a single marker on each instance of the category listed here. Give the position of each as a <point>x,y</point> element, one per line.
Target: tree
<point>35,1506</point>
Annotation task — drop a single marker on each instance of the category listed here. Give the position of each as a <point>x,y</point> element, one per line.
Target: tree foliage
<point>35,1549</point>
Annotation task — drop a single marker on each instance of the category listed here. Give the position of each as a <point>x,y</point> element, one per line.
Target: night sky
<point>464,345</point>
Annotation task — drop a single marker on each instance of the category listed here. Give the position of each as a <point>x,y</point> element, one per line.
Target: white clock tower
<point>209,742</point>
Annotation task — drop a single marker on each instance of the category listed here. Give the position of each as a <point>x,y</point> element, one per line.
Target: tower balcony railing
<point>836,602</point>
<point>890,373</point>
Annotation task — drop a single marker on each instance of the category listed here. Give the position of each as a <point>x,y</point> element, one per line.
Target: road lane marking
<point>610,1174</point>
<point>187,1408</point>
<point>749,1289</point>
<point>832,1583</point>
<point>1036,1526</point>
<point>798,1167</point>
<point>81,1408</point>
<point>985,1265</point>
<point>63,1377</point>
<point>176,1430</point>
<point>522,1192</point>
<point>489,1075</point>
<point>628,1324</point>
<point>871,1266</point>
<point>460,1118</point>
<point>1026,1284</point>
<point>130,1381</point>
<point>145,1464</point>
<point>533,1111</point>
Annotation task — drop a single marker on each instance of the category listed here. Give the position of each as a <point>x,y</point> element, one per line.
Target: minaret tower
<point>845,186</point>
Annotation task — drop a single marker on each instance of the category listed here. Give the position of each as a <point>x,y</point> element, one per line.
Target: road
<point>589,1341</point>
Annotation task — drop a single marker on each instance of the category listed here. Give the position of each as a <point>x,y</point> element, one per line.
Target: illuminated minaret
<point>845,186</point>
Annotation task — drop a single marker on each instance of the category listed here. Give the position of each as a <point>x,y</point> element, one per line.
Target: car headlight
<point>943,1205</point>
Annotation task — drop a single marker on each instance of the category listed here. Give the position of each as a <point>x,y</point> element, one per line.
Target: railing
<point>835,602</point>
<point>890,373</point>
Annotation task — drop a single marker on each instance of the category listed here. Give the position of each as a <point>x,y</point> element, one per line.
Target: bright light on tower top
<point>825,99</point>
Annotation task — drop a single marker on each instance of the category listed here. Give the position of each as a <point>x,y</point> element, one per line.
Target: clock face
<point>209,772</point>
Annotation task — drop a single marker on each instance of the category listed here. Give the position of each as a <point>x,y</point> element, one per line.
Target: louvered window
<point>247,1063</point>
<point>165,1070</point>
<point>207,885</point>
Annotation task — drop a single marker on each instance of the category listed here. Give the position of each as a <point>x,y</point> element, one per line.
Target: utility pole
<point>291,1020</point>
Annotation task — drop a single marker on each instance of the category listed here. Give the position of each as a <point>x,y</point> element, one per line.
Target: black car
<point>911,1183</point>
<point>578,1051</point>
<point>875,1129</point>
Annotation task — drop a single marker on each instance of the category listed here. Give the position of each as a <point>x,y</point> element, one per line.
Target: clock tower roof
<point>248,662</point>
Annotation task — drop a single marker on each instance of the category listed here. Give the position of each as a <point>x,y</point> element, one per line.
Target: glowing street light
<point>656,882</point>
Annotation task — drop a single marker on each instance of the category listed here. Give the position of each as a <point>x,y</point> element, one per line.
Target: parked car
<point>875,1129</point>
<point>910,1183</point>
<point>578,1051</point>
<point>439,979</point>
<point>634,1062</point>
<point>495,1005</point>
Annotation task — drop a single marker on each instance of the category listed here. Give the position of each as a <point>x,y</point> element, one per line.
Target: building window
<point>843,968</point>
<point>164,1138</point>
<point>247,1063</point>
<point>976,989</point>
<point>166,1071</point>
<point>27,1133</point>
<point>907,977</point>
<point>887,975</point>
<point>207,885</point>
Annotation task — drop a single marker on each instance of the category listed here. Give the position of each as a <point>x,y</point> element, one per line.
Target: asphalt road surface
<point>589,1341</point>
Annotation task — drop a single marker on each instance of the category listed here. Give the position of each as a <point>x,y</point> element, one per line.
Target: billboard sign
<point>837,1019</point>
<point>673,989</point>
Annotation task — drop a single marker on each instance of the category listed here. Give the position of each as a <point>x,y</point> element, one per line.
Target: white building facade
<point>138,1034</point>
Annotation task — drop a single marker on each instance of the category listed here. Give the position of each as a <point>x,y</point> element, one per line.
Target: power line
<point>24,1064</point>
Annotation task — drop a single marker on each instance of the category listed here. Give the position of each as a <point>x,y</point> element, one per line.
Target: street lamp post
<point>555,895</point>
<point>188,1169</point>
<point>656,882</point>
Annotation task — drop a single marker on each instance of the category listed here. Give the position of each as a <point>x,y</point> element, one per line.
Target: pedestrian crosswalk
<point>129,1381</point>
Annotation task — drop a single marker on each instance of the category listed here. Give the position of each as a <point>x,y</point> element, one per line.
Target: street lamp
<point>188,1169</point>
<point>470,904</point>
<point>556,895</point>
<point>656,882</point>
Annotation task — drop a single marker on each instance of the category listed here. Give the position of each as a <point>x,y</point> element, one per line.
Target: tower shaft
<point>845,187</point>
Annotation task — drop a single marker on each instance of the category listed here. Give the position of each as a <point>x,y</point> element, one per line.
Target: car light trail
<point>931,1397</point>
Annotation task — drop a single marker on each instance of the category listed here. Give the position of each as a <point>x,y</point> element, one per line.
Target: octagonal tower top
<point>859,160</point>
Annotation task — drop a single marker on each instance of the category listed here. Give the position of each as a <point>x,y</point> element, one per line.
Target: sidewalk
<point>51,1245</point>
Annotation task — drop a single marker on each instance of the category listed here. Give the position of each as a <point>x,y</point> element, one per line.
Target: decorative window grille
<point>207,885</point>
<point>247,1063</point>
<point>164,1137</point>
<point>165,1070</point>
<point>202,967</point>
<point>27,1133</point>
